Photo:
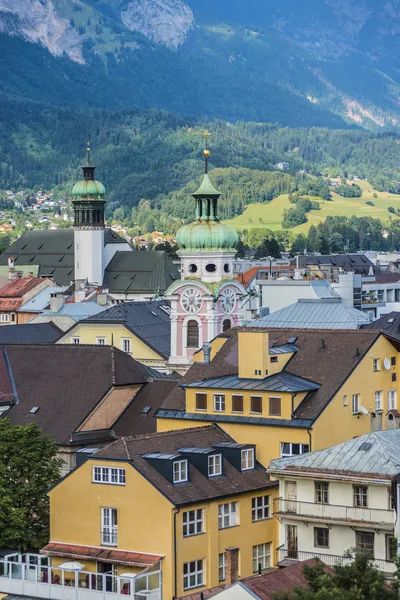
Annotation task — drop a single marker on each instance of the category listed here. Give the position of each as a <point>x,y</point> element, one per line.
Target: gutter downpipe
<point>293,397</point>
<point>309,435</point>
<point>175,562</point>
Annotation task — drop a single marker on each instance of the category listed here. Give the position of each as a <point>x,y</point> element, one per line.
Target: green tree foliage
<point>357,580</point>
<point>349,191</point>
<point>28,466</point>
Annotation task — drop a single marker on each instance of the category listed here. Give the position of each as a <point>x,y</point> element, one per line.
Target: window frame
<point>390,395</point>
<point>291,444</point>
<point>263,552</point>
<point>127,341</point>
<point>244,458</point>
<point>322,493</point>
<point>228,512</point>
<point>101,341</point>
<point>393,361</point>
<point>108,480</point>
<point>242,403</point>
<point>325,535</point>
<point>375,365</point>
<point>360,492</point>
<point>345,400</point>
<point>221,399</point>
<point>390,551</point>
<point>110,528</point>
<point>256,397</point>
<point>362,546</point>
<point>275,414</point>
<point>177,476</point>
<point>197,572</point>
<point>75,340</point>
<point>203,394</point>
<point>355,403</point>
<point>264,506</point>
<point>378,400</point>
<point>222,566</point>
<point>197,522</point>
<point>213,459</point>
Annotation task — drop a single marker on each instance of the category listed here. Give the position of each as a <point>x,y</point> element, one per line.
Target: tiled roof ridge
<point>126,449</point>
<point>281,330</point>
<point>173,432</point>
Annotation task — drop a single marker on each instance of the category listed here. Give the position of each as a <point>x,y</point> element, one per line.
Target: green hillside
<point>270,216</point>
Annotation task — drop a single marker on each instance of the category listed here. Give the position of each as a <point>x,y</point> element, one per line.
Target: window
<point>360,496</point>
<point>274,359</point>
<point>355,403</point>
<point>261,557</point>
<point>108,475</point>
<point>247,459</point>
<point>237,403</point>
<point>75,340</point>
<point>392,399</point>
<point>393,361</point>
<point>228,515</point>
<point>214,465</point>
<point>375,364</point>
<point>345,402</point>
<point>201,401</point>
<point>221,567</point>
<point>274,406</point>
<point>101,341</point>
<point>126,345</point>
<point>378,400</point>
<point>394,376</point>
<point>4,318</point>
<point>321,492</point>
<point>193,574</point>
<point>193,522</point>
<point>321,537</point>
<point>180,471</point>
<point>219,402</point>
<point>256,404</point>
<point>109,527</point>
<point>288,449</point>
<point>260,508</point>
<point>226,324</point>
<point>390,547</point>
<point>365,542</point>
<point>192,340</point>
<point>257,372</point>
<point>390,498</point>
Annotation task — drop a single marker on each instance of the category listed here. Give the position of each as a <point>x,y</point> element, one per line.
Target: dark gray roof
<point>357,263</point>
<point>134,272</point>
<point>150,321</point>
<point>389,323</point>
<point>163,413</point>
<point>52,250</point>
<point>35,333</point>
<point>280,382</point>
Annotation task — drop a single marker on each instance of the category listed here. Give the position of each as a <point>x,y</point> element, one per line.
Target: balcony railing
<point>335,512</point>
<point>286,556</point>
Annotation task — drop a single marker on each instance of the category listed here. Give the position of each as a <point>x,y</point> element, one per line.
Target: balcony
<point>383,519</point>
<point>286,557</point>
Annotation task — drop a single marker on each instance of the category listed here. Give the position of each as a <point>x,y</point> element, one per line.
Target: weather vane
<point>206,152</point>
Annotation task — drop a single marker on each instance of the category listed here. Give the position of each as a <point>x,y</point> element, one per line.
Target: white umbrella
<point>71,566</point>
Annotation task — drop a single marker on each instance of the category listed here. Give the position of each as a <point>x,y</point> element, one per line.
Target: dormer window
<point>215,465</point>
<point>247,459</point>
<point>180,474</point>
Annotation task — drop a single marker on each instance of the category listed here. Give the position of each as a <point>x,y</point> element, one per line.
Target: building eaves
<point>163,413</point>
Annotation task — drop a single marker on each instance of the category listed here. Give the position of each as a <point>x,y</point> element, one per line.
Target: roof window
<point>34,410</point>
<point>145,410</point>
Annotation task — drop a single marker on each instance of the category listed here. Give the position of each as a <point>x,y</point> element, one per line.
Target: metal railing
<point>285,554</point>
<point>335,512</point>
<point>44,581</point>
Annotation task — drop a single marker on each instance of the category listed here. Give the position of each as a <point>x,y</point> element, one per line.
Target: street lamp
<point>270,258</point>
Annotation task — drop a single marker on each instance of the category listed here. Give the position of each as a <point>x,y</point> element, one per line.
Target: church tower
<point>207,300</point>
<point>88,202</point>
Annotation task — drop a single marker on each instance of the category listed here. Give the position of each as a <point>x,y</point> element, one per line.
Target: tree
<point>357,580</point>
<point>240,249</point>
<point>28,466</point>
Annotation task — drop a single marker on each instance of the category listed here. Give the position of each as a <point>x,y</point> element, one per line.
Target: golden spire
<point>206,152</point>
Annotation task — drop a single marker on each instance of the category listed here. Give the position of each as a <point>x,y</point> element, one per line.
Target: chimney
<point>57,301</point>
<point>12,273</point>
<point>231,565</point>
<point>207,352</point>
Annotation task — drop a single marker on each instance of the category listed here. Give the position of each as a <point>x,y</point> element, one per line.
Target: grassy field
<point>270,215</point>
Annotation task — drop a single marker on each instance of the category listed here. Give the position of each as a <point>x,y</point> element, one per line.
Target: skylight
<point>34,410</point>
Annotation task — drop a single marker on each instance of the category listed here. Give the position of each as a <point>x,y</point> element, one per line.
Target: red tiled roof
<point>10,305</point>
<point>136,559</point>
<point>247,277</point>
<point>19,287</point>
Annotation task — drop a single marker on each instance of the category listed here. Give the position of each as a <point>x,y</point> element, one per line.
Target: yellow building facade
<point>355,375</point>
<point>199,523</point>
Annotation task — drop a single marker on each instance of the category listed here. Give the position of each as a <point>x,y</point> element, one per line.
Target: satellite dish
<point>363,410</point>
<point>386,363</point>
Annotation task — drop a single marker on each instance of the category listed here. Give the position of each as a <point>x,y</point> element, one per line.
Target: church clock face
<point>228,300</point>
<point>191,301</point>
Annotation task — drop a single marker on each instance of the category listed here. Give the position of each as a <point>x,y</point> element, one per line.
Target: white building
<point>338,499</point>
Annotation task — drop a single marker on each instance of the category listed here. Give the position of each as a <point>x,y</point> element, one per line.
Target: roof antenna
<point>322,345</point>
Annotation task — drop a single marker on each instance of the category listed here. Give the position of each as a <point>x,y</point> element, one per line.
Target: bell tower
<point>88,199</point>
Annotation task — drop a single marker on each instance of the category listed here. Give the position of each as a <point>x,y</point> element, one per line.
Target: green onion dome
<point>90,189</point>
<point>207,235</point>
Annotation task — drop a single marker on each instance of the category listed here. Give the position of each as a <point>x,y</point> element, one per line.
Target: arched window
<point>192,334</point>
<point>226,324</point>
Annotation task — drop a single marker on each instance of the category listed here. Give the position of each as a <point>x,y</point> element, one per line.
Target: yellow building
<point>290,391</point>
<point>142,329</point>
<point>194,500</point>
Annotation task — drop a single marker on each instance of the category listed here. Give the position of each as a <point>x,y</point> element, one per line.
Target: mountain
<point>326,63</point>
